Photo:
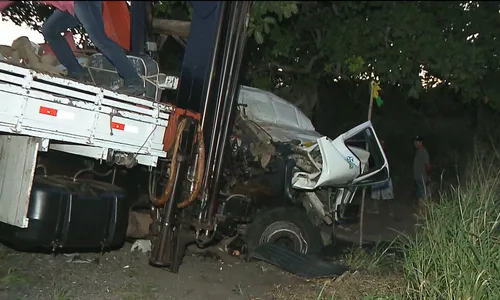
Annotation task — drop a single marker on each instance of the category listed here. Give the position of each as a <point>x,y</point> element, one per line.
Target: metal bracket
<point>44,145</point>
<point>26,87</point>
<point>97,107</point>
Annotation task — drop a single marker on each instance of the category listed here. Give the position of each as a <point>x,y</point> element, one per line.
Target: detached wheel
<point>287,226</point>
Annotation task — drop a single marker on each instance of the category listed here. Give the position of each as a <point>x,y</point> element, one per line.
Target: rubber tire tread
<point>298,217</point>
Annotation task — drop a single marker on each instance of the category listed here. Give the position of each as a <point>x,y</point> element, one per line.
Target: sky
<point>9,32</point>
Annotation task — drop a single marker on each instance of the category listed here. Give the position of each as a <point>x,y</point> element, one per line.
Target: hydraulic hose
<point>91,170</point>
<point>173,167</point>
<point>200,167</point>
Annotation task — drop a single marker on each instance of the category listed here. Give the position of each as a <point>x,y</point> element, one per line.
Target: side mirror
<point>167,82</point>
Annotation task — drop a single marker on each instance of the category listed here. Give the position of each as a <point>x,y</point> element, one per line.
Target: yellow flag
<point>375,89</point>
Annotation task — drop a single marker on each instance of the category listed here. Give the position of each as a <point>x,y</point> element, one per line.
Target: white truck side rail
<point>37,109</point>
<point>89,120</point>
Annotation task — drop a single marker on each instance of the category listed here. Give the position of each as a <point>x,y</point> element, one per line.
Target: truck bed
<point>81,116</point>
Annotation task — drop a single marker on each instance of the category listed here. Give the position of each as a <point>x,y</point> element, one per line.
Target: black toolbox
<point>72,214</point>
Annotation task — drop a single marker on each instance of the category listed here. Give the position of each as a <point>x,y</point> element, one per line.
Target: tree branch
<point>335,10</point>
<point>386,38</point>
<point>291,69</point>
<point>171,27</point>
<point>338,72</point>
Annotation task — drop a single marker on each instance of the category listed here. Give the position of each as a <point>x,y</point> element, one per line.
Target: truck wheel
<point>287,226</point>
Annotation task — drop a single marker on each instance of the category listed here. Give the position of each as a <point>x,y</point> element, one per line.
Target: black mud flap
<point>304,265</point>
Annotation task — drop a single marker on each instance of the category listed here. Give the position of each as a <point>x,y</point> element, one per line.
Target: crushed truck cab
<point>340,163</point>
<point>326,172</point>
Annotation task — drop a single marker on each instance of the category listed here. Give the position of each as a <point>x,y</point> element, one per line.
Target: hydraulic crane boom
<point>207,92</point>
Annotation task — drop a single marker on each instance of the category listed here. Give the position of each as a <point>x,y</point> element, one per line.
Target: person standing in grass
<point>382,192</point>
<point>421,171</point>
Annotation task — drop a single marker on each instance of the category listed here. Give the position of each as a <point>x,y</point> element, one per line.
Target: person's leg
<point>375,197</point>
<point>416,199</point>
<point>375,207</point>
<point>89,13</point>
<point>390,198</point>
<point>391,209</point>
<point>386,202</point>
<point>420,196</point>
<point>418,191</point>
<point>57,23</point>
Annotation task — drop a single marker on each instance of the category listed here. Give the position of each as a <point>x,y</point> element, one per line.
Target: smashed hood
<point>279,118</point>
<point>320,161</point>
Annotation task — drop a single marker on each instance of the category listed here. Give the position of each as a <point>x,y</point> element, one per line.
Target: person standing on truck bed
<point>70,14</point>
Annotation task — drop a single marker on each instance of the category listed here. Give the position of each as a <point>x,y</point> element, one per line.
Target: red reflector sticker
<point>118,126</point>
<point>48,111</point>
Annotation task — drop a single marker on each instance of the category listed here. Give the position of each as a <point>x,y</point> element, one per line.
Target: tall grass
<point>456,252</point>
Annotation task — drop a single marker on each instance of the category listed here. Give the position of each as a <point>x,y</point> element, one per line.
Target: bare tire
<point>287,226</point>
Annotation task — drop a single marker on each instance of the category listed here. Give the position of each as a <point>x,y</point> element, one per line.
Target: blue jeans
<point>420,189</point>
<point>89,14</point>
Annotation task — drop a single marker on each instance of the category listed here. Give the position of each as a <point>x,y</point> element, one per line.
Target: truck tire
<point>284,225</point>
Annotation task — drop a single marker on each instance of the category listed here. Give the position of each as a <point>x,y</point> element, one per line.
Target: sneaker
<point>134,89</point>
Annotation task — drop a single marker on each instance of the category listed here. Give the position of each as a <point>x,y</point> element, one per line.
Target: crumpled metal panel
<point>278,117</point>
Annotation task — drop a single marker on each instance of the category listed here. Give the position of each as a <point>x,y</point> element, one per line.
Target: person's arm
<point>4,4</point>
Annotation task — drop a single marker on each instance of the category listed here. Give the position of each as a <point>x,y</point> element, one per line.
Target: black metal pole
<point>221,114</point>
<point>169,242</point>
<point>235,43</point>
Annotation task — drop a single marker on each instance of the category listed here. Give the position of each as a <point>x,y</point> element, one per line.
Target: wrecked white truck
<point>224,160</point>
<point>299,179</point>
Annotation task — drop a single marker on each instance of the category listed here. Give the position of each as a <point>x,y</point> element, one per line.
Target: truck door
<point>346,162</point>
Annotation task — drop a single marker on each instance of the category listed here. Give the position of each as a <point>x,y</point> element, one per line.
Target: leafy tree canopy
<point>453,41</point>
<point>295,45</point>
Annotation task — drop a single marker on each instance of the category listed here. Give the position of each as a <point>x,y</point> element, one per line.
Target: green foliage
<point>264,15</point>
<point>178,10</point>
<point>355,64</point>
<point>300,43</point>
<point>456,254</point>
<point>393,40</point>
<point>29,13</point>
<point>33,15</point>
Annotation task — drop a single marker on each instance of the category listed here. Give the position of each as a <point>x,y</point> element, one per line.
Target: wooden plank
<point>18,155</point>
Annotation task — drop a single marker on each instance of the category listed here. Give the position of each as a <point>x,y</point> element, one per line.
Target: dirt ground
<point>381,227</point>
<point>126,275</point>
